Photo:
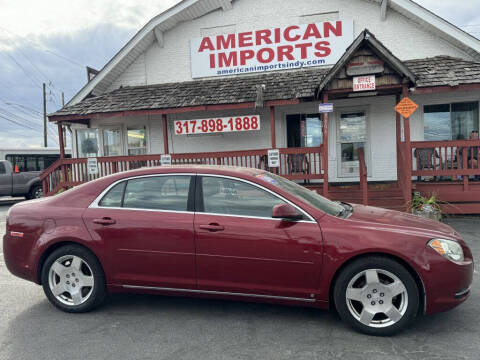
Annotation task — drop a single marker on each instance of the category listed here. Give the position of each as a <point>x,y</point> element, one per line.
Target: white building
<point>275,62</point>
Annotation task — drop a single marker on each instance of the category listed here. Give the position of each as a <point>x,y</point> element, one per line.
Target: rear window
<point>114,197</point>
<point>155,193</point>
<point>158,193</point>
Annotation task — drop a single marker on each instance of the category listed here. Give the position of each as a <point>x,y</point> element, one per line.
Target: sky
<point>52,42</point>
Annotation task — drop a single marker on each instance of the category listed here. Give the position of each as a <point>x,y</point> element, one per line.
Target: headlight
<point>447,248</point>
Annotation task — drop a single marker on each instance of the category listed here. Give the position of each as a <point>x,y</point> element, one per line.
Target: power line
<point>23,69</point>
<point>24,107</point>
<point>18,118</point>
<point>45,48</point>
<point>42,74</point>
<point>17,123</point>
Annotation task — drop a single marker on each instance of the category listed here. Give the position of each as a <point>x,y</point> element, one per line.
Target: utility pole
<point>44,117</point>
<point>64,129</point>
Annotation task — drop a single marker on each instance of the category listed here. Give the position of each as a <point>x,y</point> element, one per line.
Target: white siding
<point>172,62</point>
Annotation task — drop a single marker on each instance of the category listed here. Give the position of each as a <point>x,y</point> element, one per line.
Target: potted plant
<point>427,207</point>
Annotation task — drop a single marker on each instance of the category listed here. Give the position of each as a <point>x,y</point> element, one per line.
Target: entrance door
<point>242,249</point>
<point>304,130</point>
<point>351,136</point>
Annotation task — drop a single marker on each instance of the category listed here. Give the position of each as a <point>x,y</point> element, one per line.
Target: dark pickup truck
<point>26,184</point>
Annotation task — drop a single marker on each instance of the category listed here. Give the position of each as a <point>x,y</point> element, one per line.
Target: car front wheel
<point>73,279</point>
<point>376,295</point>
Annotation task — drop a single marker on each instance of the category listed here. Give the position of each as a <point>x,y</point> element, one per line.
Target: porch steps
<point>385,196</point>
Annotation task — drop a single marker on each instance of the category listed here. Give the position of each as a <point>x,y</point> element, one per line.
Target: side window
<point>114,197</point>
<point>158,193</point>
<point>2,169</point>
<point>232,197</point>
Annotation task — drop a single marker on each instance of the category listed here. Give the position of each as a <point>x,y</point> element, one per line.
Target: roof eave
<point>470,44</point>
<point>130,45</point>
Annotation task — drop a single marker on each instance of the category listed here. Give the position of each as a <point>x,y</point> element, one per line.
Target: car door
<point>146,224</point>
<point>242,249</point>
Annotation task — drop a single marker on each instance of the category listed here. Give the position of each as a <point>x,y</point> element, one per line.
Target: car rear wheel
<point>36,192</point>
<point>73,279</point>
<point>377,296</point>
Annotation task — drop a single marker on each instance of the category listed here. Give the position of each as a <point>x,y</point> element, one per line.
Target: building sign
<point>364,83</point>
<point>325,108</point>
<point>290,47</point>
<point>218,125</point>
<point>274,158</point>
<point>365,67</point>
<point>406,107</point>
<point>92,166</point>
<point>166,160</point>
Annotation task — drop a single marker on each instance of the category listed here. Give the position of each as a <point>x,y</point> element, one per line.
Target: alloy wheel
<point>376,298</point>
<point>38,193</point>
<point>71,280</point>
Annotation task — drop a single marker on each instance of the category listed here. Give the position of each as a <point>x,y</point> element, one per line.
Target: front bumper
<point>447,284</point>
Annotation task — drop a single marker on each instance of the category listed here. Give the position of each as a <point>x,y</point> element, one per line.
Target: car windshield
<point>308,196</point>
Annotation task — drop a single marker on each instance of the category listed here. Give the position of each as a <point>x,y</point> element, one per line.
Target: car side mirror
<point>286,212</point>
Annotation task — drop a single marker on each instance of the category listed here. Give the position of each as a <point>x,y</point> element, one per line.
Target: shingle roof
<point>444,70</point>
<point>435,71</point>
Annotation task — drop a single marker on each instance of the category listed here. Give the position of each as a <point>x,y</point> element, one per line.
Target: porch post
<point>408,149</point>
<point>60,140</point>
<point>62,155</point>
<point>165,133</point>
<point>325,147</point>
<point>398,123</point>
<point>272,127</point>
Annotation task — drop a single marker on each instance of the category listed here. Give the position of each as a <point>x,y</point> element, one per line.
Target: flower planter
<point>429,212</point>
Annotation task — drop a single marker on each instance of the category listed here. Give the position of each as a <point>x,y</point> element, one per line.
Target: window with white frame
<point>112,142</point>
<point>87,143</point>
<point>137,141</point>
<point>450,121</point>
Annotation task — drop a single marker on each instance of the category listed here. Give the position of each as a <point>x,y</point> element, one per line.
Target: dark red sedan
<point>236,233</point>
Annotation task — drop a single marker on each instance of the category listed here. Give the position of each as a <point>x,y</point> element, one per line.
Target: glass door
<point>352,135</point>
<point>112,142</point>
<point>304,130</point>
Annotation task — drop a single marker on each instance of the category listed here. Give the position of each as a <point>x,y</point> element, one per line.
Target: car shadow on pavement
<point>129,325</point>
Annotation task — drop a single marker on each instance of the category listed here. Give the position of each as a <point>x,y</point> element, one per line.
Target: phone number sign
<point>217,125</point>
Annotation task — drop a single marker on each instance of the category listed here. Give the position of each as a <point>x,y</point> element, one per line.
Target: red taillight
<point>16,234</point>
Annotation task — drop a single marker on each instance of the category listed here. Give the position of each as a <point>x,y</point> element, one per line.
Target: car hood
<point>396,219</point>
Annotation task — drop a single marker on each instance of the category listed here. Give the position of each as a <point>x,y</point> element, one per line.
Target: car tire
<point>73,279</point>
<point>36,192</point>
<point>376,296</point>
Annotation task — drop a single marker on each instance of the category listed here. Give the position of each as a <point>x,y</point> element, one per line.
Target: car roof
<point>193,168</point>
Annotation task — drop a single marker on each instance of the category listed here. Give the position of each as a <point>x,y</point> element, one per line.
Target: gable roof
<point>279,85</point>
<point>431,21</point>
<point>367,38</point>
<point>191,9</point>
<point>185,10</point>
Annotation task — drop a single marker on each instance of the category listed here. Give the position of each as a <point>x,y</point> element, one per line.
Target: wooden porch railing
<point>295,164</point>
<point>446,158</point>
<point>363,176</point>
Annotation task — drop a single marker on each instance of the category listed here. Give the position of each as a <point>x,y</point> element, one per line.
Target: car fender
<point>342,244</point>
<point>57,232</point>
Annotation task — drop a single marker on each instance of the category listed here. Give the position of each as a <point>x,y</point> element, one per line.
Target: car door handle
<point>104,221</point>
<point>212,227</point>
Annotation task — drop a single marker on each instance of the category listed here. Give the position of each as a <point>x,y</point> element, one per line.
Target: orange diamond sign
<point>406,107</point>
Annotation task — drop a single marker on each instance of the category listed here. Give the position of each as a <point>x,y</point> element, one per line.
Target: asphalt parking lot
<point>154,327</point>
